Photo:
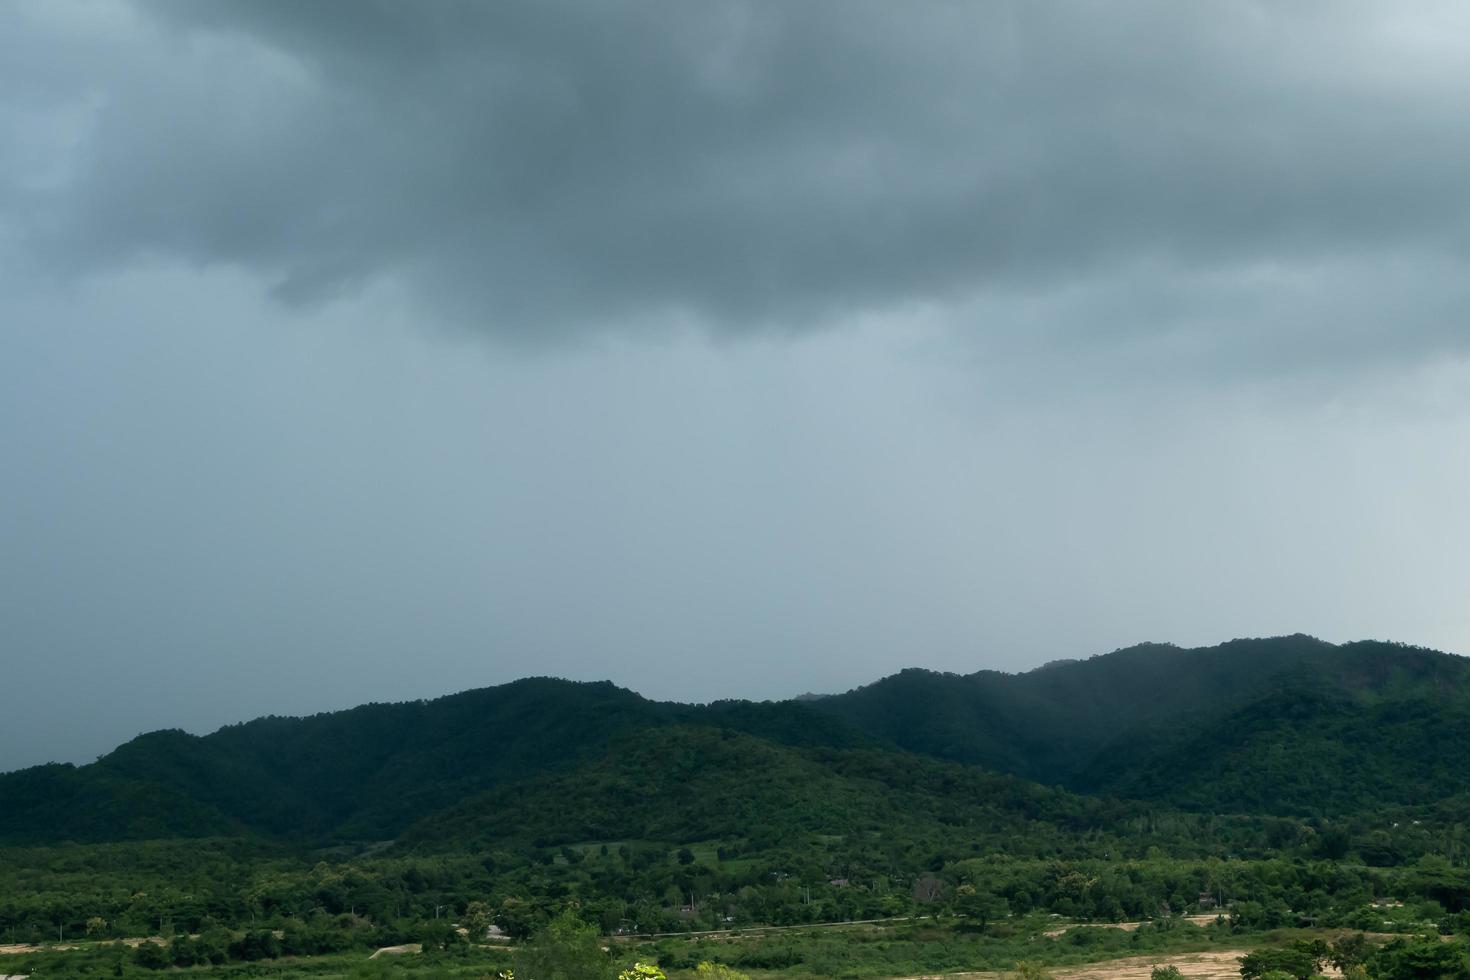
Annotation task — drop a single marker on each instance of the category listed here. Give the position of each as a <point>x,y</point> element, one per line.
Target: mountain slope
<point>685,784</point>
<point>1299,753</point>
<point>363,774</point>
<point>1105,724</point>
<point>1289,726</point>
<point>1047,724</point>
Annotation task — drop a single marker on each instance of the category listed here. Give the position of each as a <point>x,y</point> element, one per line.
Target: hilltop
<point>1285,726</point>
<point>1281,725</point>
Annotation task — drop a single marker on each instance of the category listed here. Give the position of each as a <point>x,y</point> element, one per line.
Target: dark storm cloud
<point>1064,325</point>
<point>542,169</point>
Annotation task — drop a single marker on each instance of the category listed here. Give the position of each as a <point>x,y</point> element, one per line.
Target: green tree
<point>438,934</point>
<point>1349,951</point>
<point>567,949</point>
<point>152,956</point>
<point>647,971</point>
<point>213,945</point>
<point>519,919</point>
<point>182,951</point>
<point>976,906</point>
<point>1031,970</point>
<point>717,971</point>
<point>1423,958</point>
<point>477,919</point>
<point>1294,962</point>
<point>259,944</point>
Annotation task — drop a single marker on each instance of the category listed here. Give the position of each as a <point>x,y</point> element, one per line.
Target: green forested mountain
<point>1284,781</point>
<point>1285,725</point>
<point>1289,726</point>
<point>372,769</point>
<point>1299,753</point>
<point>1049,724</point>
<point>363,774</point>
<point>686,783</point>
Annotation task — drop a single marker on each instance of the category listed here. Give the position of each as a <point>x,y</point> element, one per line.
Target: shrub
<point>152,956</point>
<point>1296,963</point>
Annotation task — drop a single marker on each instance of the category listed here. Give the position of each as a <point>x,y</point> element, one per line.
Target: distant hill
<point>362,774</point>
<point>1050,723</point>
<point>1289,725</point>
<point>1282,725</point>
<point>1298,752</point>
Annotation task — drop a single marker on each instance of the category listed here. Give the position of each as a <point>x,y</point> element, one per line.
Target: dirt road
<point>18,948</point>
<point>1198,920</point>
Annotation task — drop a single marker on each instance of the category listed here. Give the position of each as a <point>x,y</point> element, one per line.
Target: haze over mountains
<point>1289,726</point>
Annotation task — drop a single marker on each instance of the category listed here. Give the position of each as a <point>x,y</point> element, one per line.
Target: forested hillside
<point>1287,726</point>
<point>363,774</point>
<point>1278,781</point>
<point>685,783</point>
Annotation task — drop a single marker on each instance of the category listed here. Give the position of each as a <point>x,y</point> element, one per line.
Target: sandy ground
<point>398,950</point>
<point>1199,920</point>
<point>1194,966</point>
<point>1215,965</point>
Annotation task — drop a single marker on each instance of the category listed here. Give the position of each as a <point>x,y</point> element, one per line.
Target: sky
<point>365,351</point>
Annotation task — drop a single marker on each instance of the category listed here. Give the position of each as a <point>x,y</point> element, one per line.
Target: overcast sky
<point>365,350</point>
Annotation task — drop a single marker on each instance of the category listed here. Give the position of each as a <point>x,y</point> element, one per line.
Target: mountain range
<point>1287,726</point>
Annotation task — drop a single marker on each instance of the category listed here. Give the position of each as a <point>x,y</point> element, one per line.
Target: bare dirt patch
<point>1197,920</point>
<point>1216,965</point>
<point>398,950</point>
<point>1213,965</point>
<point>1195,966</point>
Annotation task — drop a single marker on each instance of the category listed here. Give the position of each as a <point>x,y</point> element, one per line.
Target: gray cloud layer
<point>1224,175</point>
<point>366,350</point>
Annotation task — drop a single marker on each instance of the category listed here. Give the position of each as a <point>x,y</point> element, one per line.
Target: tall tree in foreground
<point>567,949</point>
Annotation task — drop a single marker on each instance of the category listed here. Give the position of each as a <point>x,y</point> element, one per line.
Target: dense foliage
<point>1281,784</point>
